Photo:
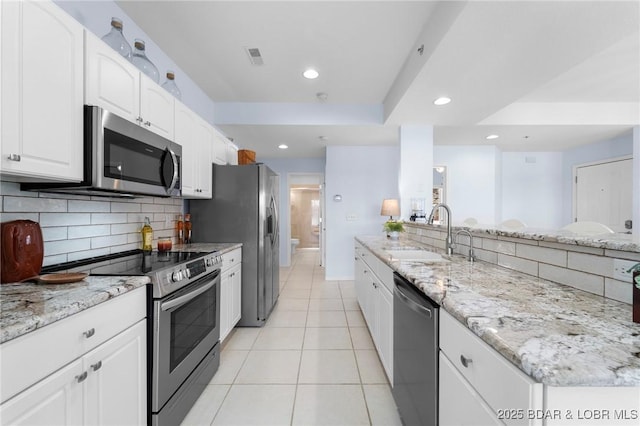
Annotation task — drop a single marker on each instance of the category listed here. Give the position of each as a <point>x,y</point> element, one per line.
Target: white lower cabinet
<point>456,393</point>
<point>116,388</point>
<point>106,385</point>
<point>373,282</point>
<point>230,292</point>
<point>498,384</point>
<point>55,400</point>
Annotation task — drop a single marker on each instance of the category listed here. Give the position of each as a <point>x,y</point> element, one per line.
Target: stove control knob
<point>177,276</point>
<point>187,273</point>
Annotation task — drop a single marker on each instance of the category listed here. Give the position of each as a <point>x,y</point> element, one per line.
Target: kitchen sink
<point>416,255</point>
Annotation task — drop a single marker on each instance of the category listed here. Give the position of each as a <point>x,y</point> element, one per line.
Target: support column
<point>635,202</point>
<point>416,167</point>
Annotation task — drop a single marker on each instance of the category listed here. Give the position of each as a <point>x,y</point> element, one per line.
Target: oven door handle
<point>179,301</point>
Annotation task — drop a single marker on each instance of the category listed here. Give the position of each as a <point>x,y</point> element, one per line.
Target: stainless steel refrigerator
<point>244,209</point>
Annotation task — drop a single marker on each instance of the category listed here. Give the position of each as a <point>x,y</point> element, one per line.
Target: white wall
<point>285,166</point>
<point>363,176</point>
<point>96,17</point>
<point>416,167</point>
<point>473,186</point>
<point>531,190</point>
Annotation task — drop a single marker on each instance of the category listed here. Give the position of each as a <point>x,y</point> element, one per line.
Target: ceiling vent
<point>254,55</point>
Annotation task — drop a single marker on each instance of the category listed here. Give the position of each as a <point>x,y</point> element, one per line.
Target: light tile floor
<point>313,363</point>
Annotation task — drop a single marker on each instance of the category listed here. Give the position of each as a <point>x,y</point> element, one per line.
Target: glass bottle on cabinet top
<point>116,40</point>
<point>140,60</point>
<point>170,85</point>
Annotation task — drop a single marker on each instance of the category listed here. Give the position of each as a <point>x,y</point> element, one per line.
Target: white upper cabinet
<point>196,137</point>
<point>231,151</point>
<point>156,108</point>
<point>219,148</point>
<point>41,110</point>
<point>116,85</point>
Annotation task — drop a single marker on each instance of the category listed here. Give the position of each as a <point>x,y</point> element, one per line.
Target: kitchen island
<point>556,334</point>
<point>514,348</point>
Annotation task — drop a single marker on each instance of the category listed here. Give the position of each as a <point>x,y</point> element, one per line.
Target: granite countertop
<point>221,248</point>
<point>558,335</point>
<point>615,241</point>
<point>25,307</point>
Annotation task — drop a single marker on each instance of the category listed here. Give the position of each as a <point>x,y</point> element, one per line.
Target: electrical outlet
<point>352,217</point>
<point>620,268</point>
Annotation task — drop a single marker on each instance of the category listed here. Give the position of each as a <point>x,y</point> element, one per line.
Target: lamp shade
<point>390,207</point>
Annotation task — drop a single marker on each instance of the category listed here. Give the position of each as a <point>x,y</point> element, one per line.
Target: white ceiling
<point>543,75</point>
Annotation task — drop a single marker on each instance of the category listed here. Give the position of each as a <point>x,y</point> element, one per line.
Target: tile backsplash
<point>77,227</point>
<point>585,268</point>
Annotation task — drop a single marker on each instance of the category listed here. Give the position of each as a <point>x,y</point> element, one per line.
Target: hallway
<point>313,363</point>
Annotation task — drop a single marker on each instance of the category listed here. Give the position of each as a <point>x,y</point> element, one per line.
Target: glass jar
<point>164,244</point>
<point>170,85</point>
<point>116,40</point>
<point>140,60</point>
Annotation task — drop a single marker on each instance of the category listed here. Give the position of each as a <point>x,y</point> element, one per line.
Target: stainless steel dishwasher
<point>415,354</point>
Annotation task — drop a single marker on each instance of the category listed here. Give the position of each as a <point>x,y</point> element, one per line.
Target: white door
<point>604,193</point>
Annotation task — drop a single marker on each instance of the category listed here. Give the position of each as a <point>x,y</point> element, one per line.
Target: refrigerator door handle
<point>275,219</point>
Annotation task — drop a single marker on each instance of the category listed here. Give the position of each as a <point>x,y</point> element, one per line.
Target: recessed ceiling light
<point>310,74</point>
<point>442,101</point>
<point>492,137</point>
<point>283,146</point>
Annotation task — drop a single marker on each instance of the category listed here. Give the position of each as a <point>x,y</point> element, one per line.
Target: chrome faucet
<point>449,245</point>
<point>471,257</point>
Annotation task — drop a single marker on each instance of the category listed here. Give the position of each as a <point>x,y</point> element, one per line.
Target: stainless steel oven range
<point>184,326</point>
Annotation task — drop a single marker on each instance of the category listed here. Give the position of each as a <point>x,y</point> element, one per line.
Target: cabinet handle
<point>89,332</point>
<point>365,271</point>
<point>139,119</point>
<point>14,157</point>
<point>465,361</point>
<point>81,378</point>
<point>96,366</point>
<point>147,123</point>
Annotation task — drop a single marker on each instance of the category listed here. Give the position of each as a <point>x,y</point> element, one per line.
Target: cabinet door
<point>116,386</point>
<point>111,82</point>
<point>219,148</point>
<point>385,329</point>
<point>42,74</point>
<point>459,403</point>
<point>55,400</point>
<point>185,126</point>
<point>156,108</point>
<point>203,159</point>
<point>231,153</point>
<point>236,295</point>
<point>225,305</point>
<point>359,280</point>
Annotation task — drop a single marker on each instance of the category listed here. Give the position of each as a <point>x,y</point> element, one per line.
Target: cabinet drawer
<point>45,350</point>
<point>498,381</point>
<point>232,258</point>
<point>455,393</point>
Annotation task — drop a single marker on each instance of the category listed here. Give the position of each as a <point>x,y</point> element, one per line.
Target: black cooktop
<point>134,262</point>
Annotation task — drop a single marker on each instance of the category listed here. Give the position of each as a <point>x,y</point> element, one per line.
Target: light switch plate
<point>620,268</point>
<point>352,217</point>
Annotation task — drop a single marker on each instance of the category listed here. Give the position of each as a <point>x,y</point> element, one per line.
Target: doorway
<point>306,212</point>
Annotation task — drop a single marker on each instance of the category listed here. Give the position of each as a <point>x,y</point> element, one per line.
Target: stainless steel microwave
<point>122,159</point>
